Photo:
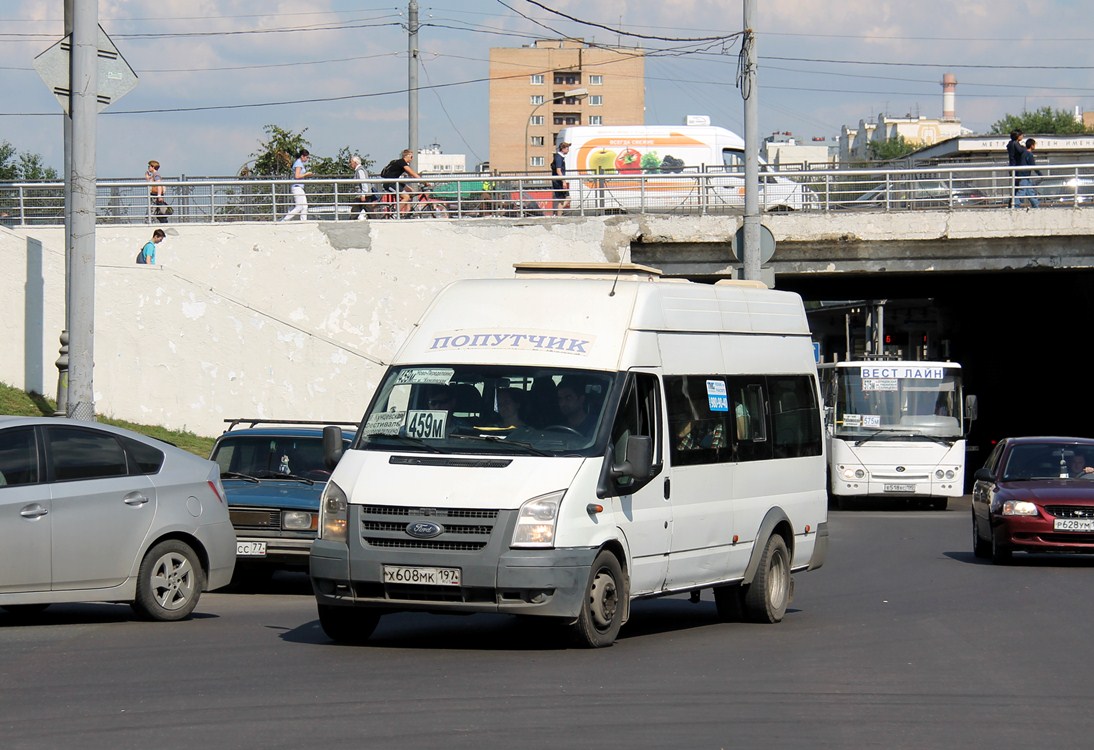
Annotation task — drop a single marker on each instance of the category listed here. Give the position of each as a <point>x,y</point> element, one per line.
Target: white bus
<point>563,443</point>
<point>896,429</point>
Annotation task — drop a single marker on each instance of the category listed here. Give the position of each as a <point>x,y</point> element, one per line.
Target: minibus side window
<point>795,422</point>
<point>699,425</point>
<point>748,405</point>
<point>639,414</point>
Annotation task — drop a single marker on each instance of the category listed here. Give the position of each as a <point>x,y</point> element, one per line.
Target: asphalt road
<point>902,640</point>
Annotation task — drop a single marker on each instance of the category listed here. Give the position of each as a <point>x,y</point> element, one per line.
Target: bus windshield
<point>487,409</point>
<point>898,400</point>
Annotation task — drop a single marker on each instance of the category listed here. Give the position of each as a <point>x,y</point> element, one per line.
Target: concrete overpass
<point>297,320</point>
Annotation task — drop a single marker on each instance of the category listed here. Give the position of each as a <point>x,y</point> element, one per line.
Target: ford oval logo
<point>424,529</point>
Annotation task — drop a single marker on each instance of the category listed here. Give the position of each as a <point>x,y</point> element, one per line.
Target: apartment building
<point>537,90</point>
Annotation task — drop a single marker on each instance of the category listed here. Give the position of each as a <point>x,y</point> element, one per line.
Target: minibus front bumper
<point>542,582</point>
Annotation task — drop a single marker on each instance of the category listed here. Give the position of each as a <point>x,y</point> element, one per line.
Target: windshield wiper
<point>238,475</point>
<point>939,439</point>
<point>874,434</point>
<point>905,435</point>
<point>528,447</point>
<point>268,474</point>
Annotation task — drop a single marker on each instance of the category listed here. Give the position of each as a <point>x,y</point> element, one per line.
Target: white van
<point>663,167</point>
<point>666,439</point>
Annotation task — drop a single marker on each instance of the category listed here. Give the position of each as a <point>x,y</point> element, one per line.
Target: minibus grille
<point>386,527</point>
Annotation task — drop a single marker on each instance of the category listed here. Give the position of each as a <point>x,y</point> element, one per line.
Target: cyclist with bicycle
<point>399,169</point>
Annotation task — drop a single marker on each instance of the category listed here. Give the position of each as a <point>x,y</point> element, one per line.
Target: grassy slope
<point>16,402</point>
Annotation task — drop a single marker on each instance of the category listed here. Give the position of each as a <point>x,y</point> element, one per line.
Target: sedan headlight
<point>1019,508</point>
<point>852,473</point>
<point>536,521</point>
<point>297,520</point>
<point>333,514</point>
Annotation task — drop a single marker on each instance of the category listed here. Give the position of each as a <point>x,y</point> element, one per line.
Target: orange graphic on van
<point>652,155</point>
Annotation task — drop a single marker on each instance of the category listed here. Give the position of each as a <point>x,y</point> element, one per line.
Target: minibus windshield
<point>495,409</point>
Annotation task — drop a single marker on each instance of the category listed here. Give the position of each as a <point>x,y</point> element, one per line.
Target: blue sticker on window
<point>717,397</point>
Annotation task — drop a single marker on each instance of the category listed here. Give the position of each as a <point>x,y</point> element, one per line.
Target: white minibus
<point>564,442</point>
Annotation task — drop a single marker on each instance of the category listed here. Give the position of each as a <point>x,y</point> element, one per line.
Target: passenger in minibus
<point>510,403</point>
<point>572,402</point>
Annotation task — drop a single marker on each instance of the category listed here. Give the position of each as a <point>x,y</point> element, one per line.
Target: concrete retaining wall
<point>289,321</point>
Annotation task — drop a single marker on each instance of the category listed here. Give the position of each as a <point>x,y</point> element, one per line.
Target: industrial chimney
<point>949,92</point>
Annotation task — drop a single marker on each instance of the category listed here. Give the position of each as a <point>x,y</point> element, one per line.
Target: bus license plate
<point>899,488</point>
<point>422,576</point>
<point>250,549</point>
<point>1073,524</point>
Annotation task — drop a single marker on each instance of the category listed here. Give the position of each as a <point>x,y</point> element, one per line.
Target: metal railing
<point>702,192</point>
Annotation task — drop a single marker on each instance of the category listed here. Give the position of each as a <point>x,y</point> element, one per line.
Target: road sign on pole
<point>116,78</point>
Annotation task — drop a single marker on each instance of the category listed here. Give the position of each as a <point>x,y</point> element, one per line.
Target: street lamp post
<point>571,94</point>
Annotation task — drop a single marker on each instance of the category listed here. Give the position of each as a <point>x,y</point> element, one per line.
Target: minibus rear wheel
<point>347,624</point>
<point>602,610</point>
<point>769,593</point>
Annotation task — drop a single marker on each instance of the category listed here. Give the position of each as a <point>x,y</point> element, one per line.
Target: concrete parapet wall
<point>289,321</point>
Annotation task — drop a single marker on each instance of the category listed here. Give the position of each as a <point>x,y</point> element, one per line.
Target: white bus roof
<point>582,320</point>
<point>889,363</point>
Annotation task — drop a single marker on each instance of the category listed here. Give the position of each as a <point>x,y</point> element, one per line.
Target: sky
<point>213,73</point>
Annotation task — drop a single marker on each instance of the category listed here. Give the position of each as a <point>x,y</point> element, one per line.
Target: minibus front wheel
<point>605,599</point>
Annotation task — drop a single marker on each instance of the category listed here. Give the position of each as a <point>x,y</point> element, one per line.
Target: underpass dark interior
<point>1024,339</point>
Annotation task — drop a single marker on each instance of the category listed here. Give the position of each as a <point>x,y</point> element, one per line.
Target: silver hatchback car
<point>93,513</point>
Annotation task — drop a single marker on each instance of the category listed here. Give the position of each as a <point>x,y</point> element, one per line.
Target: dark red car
<point>1034,494</point>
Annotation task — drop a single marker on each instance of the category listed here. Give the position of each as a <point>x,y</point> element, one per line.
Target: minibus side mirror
<point>970,407</point>
<point>332,446</point>
<point>638,460</point>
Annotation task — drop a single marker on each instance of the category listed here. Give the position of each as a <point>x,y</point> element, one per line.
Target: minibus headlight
<point>536,521</point>
<point>333,514</point>
<point>1019,508</point>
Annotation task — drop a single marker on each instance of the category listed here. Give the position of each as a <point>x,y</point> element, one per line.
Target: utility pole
<point>750,253</point>
<point>412,79</point>
<point>80,188</point>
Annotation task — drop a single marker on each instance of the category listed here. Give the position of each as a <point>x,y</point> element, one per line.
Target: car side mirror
<point>970,407</point>
<point>638,461</point>
<point>984,475</point>
<point>332,446</point>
